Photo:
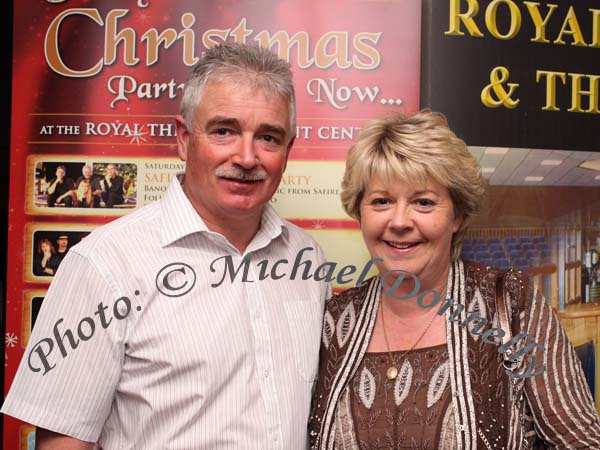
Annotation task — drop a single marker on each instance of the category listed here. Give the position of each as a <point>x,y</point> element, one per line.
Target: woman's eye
<point>380,201</point>
<point>425,202</point>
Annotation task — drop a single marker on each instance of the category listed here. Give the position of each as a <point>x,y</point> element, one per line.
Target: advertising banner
<point>97,84</point>
<point>515,73</point>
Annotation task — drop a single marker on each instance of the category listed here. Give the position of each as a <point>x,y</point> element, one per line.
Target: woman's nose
<point>401,217</point>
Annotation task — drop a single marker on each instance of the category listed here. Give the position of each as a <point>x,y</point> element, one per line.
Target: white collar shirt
<point>186,365</point>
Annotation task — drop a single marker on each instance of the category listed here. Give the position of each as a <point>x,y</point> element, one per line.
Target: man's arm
<point>71,395</point>
<point>49,440</point>
<point>52,186</point>
<point>65,195</point>
<point>117,185</point>
<point>95,185</point>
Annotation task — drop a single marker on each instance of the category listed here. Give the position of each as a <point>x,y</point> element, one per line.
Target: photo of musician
<point>59,189</point>
<point>101,185</point>
<point>87,189</point>
<point>112,187</point>
<point>50,248</point>
<point>45,261</point>
<point>62,247</point>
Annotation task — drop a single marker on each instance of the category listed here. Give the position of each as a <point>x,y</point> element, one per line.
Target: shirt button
<point>266,374</point>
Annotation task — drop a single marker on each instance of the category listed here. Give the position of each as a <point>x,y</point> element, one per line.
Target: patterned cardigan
<point>491,409</point>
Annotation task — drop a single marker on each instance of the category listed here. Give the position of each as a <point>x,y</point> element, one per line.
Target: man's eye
<point>270,139</point>
<point>222,131</point>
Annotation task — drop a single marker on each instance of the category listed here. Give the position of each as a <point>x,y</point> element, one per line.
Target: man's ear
<point>183,137</point>
<point>287,152</point>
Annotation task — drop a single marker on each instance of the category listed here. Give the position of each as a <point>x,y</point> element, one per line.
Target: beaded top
<point>407,413</point>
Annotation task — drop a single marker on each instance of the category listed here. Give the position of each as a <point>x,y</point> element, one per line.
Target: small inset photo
<point>36,304</point>
<point>32,303</point>
<point>50,248</point>
<point>85,185</point>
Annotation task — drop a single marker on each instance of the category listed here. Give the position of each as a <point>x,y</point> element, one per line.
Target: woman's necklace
<point>392,371</point>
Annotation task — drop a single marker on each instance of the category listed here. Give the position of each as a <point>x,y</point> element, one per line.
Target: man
<point>177,359</point>
<point>62,244</point>
<point>112,187</point>
<point>87,189</point>
<point>60,189</point>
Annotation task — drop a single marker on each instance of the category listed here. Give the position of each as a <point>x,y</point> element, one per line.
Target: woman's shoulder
<point>355,296</point>
<point>482,271</point>
<point>516,283</point>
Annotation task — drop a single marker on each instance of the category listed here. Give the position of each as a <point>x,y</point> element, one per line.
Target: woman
<point>404,370</point>
<point>45,262</point>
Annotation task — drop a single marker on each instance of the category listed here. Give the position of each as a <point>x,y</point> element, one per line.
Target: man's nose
<point>246,155</point>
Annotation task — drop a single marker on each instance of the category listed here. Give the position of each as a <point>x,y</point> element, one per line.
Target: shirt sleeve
<point>561,404</point>
<point>326,288</point>
<point>68,374</point>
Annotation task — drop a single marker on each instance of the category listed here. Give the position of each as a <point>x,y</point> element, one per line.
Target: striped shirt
<point>133,347</point>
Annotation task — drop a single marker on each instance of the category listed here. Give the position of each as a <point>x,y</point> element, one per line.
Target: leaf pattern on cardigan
<point>476,306</point>
<point>437,384</point>
<point>345,325</point>
<point>367,388</point>
<point>403,382</point>
<point>328,328</point>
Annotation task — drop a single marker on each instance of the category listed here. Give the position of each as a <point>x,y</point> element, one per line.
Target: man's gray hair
<point>246,64</point>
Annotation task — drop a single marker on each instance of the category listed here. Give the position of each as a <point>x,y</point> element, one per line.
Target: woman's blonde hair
<point>411,149</point>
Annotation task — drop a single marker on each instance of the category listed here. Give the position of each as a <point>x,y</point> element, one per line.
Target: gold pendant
<point>392,373</point>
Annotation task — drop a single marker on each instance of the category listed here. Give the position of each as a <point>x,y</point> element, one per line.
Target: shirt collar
<point>271,226</point>
<point>180,219</point>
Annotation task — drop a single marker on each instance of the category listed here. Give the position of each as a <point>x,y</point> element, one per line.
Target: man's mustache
<point>241,174</point>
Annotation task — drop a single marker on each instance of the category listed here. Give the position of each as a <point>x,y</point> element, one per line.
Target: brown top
<point>406,413</point>
<point>543,401</point>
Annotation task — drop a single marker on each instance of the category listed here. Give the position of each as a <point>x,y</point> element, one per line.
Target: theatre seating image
<point>547,231</point>
<point>520,252</point>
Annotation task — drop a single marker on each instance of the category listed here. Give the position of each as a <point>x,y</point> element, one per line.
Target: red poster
<point>96,85</point>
